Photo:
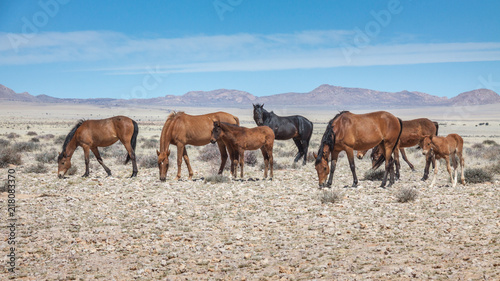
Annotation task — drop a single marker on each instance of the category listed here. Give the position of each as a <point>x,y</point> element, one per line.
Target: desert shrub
<point>285,152</point>
<point>250,158</point>
<point>25,146</point>
<point>490,142</point>
<point>406,194</point>
<point>477,146</point>
<point>495,168</point>
<point>60,139</point>
<point>216,179</point>
<point>330,196</point>
<point>374,175</point>
<point>47,157</point>
<point>31,133</point>
<point>4,143</point>
<point>5,186</point>
<point>38,168</point>
<point>209,153</point>
<point>276,165</point>
<point>477,175</point>
<point>117,150</point>
<point>12,136</point>
<point>72,170</point>
<point>150,143</point>
<point>47,136</point>
<point>148,161</point>
<point>8,156</point>
<point>35,140</point>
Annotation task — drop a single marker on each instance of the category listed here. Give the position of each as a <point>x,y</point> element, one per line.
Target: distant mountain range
<point>324,95</point>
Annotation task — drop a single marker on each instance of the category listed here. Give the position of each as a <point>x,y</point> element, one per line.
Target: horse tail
<point>133,140</point>
<point>381,159</point>
<point>237,120</point>
<point>437,127</point>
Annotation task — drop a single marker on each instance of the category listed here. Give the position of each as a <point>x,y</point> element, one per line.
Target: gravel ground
<point>117,228</point>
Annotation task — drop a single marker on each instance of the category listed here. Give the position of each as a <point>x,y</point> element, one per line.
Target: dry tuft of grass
<point>25,146</point>
<point>406,194</point>
<point>330,196</point>
<point>148,161</point>
<point>47,157</point>
<point>38,168</point>
<point>374,175</point>
<point>9,156</point>
<point>477,175</point>
<point>216,179</point>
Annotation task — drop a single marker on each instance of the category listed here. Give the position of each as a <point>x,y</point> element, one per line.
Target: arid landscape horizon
<point>117,228</point>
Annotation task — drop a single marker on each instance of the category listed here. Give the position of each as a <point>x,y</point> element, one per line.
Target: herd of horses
<point>380,131</point>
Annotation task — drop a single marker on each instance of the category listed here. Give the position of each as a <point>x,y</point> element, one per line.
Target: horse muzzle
<point>212,141</point>
<point>163,179</point>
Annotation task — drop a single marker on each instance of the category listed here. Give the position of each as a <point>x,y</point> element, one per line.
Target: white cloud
<point>122,54</point>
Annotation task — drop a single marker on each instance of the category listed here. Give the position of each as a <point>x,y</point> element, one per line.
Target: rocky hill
<point>324,95</point>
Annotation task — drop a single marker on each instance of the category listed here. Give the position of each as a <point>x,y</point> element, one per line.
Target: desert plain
<point>209,228</point>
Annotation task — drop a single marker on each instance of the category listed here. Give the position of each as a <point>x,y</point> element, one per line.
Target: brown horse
<point>181,129</point>
<point>348,132</point>
<point>413,132</point>
<point>91,134</point>
<point>445,147</point>
<point>238,139</point>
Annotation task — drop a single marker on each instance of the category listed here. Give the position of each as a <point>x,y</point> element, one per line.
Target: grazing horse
<point>91,134</point>
<point>181,129</point>
<point>348,132</point>
<point>445,147</point>
<point>294,127</point>
<point>413,132</point>
<point>238,139</point>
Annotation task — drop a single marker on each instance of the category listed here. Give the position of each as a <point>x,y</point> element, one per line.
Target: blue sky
<point>145,49</point>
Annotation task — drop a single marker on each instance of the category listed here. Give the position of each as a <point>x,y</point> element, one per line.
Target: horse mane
<point>328,137</point>
<point>69,137</point>
<point>171,117</point>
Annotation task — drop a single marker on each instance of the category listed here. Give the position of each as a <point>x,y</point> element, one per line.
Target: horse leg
<point>223,156</point>
<point>180,152</point>
<point>305,147</point>
<point>428,159</point>
<point>186,160</point>
<point>131,153</point>
<point>448,167</point>
<point>403,154</point>
<point>99,159</point>
<point>86,153</point>
<point>396,161</point>
<point>335,156</point>
<point>436,167</point>
<point>299,147</point>
<point>350,157</point>
<point>266,160</point>
<point>271,159</point>
<point>462,164</point>
<point>242,161</point>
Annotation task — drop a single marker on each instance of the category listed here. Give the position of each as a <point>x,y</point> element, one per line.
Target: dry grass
<point>406,194</point>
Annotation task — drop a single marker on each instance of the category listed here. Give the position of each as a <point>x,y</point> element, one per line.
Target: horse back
<point>364,131</point>
<point>415,130</point>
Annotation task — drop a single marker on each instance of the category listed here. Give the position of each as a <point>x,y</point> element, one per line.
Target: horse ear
<point>157,152</point>
<point>262,106</point>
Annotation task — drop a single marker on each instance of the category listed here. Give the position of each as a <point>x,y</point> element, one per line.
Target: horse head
<point>163,163</point>
<point>216,132</point>
<point>63,164</point>
<point>322,167</point>
<point>426,145</point>
<point>258,114</point>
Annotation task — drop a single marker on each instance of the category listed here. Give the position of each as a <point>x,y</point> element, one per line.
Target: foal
<point>238,139</point>
<point>445,147</point>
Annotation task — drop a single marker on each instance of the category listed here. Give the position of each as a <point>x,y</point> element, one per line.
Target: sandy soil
<point>117,228</point>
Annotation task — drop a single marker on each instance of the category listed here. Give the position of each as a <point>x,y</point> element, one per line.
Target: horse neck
<point>166,136</point>
<point>71,147</point>
<point>228,132</point>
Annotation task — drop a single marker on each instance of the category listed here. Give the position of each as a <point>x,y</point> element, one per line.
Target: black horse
<point>287,127</point>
